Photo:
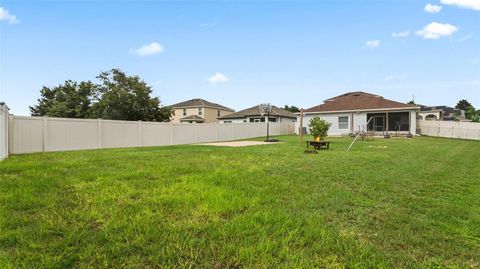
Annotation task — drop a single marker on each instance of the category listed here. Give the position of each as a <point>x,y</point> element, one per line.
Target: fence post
<point>11,135</point>
<point>140,135</point>
<point>99,133</point>
<point>45,133</point>
<point>233,131</point>
<point>216,131</point>
<point>453,128</point>
<point>7,131</point>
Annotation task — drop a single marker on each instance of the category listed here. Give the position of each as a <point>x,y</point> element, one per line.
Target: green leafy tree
<point>68,100</point>
<point>463,104</point>
<point>411,102</point>
<point>292,109</point>
<point>472,114</point>
<point>122,97</point>
<point>318,127</point>
<point>117,97</point>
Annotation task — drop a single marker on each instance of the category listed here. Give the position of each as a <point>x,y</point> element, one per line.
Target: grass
<point>413,204</point>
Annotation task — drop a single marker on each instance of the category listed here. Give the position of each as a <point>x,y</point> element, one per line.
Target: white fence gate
<point>39,134</point>
<point>3,132</point>
<point>452,129</point>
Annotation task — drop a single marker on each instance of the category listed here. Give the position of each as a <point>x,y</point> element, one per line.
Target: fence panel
<point>156,134</point>
<point>70,134</point>
<point>26,134</point>
<point>184,134</point>
<point>207,132</point>
<point>451,129</point>
<point>3,132</point>
<point>240,130</point>
<point>38,134</point>
<point>119,134</point>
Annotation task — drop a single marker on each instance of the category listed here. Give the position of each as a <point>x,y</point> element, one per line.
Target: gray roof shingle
<point>357,101</point>
<point>199,103</point>
<point>255,111</point>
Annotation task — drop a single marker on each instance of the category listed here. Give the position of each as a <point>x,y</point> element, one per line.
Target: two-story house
<point>198,111</point>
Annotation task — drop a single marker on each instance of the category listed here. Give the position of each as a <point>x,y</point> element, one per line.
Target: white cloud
<point>432,8</point>
<point>395,77</point>
<point>401,34</point>
<point>373,43</point>
<point>217,78</point>
<point>6,16</point>
<point>436,30</point>
<point>471,4</point>
<point>149,49</point>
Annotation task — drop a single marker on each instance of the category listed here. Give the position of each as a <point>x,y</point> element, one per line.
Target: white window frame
<point>184,112</point>
<point>343,124</point>
<point>200,111</point>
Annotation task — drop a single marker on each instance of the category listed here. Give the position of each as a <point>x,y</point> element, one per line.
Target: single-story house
<point>349,113</point>
<point>198,111</point>
<point>440,113</point>
<point>254,114</point>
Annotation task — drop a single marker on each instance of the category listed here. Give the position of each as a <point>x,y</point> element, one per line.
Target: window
<point>272,119</point>
<point>218,113</point>
<point>244,120</point>
<point>262,119</point>
<point>227,121</point>
<point>342,122</point>
<point>200,111</point>
<point>184,112</point>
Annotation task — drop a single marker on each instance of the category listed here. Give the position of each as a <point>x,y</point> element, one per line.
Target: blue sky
<point>242,53</point>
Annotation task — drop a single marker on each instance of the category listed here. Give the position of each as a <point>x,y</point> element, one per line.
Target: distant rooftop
<point>200,103</point>
<point>256,111</point>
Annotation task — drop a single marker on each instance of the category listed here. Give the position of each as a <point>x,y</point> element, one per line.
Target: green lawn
<point>415,203</point>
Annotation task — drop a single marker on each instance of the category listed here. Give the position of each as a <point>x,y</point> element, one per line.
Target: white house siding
<point>359,121</point>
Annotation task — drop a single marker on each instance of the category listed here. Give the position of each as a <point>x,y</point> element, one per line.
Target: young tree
<point>69,100</point>
<point>318,127</point>
<point>122,97</point>
<point>463,104</point>
<point>292,109</point>
<point>411,102</point>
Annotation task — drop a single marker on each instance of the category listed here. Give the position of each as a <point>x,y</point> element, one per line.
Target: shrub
<point>318,127</point>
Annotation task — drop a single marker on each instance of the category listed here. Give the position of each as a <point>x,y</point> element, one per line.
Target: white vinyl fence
<point>3,132</point>
<point>452,129</point>
<point>38,134</point>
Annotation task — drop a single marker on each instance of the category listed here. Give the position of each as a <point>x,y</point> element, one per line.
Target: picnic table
<point>318,145</point>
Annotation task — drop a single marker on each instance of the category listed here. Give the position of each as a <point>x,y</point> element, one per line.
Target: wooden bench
<point>318,145</point>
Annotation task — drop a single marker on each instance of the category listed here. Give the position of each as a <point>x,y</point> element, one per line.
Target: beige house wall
<point>209,114</point>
